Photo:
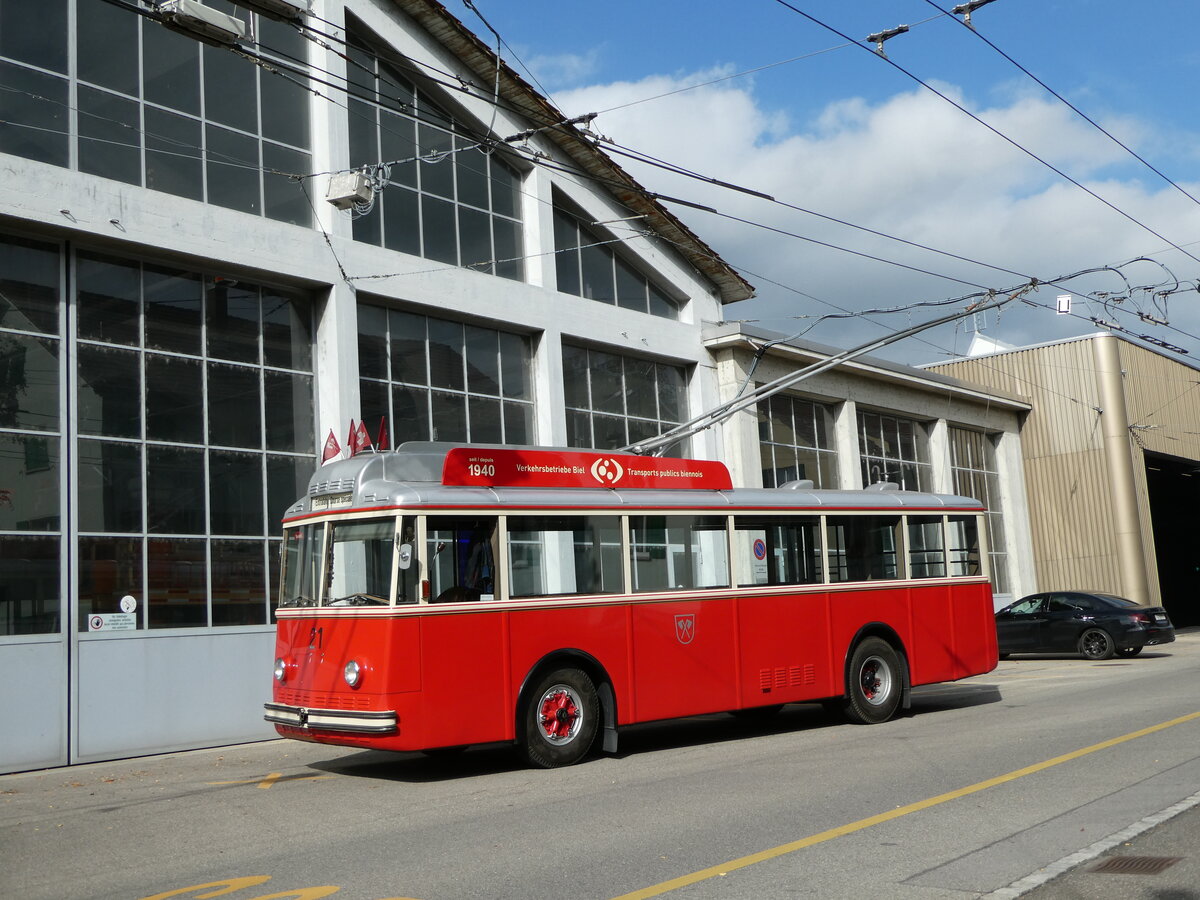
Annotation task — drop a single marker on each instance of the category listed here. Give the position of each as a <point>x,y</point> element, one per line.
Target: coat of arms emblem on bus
<point>607,471</point>
<point>685,628</point>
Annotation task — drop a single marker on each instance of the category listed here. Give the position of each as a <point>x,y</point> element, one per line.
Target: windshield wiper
<point>359,599</point>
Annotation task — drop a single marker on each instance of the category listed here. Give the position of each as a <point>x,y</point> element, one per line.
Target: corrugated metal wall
<point>1065,471</point>
<point>1070,498</point>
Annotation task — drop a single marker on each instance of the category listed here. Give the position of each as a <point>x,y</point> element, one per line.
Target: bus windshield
<point>356,568</point>
<point>360,562</point>
<point>301,565</point>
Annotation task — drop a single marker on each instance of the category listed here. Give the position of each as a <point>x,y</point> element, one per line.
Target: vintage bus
<point>445,595</point>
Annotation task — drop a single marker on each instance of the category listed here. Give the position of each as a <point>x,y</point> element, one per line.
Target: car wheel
<point>873,682</point>
<point>1128,652</point>
<point>1095,643</point>
<point>560,719</point>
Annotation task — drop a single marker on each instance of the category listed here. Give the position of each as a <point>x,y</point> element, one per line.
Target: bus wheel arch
<point>567,683</point>
<point>876,676</point>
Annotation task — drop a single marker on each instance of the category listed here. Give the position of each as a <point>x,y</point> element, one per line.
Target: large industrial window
<point>448,197</point>
<point>194,434</point>
<point>31,428</point>
<point>893,449</point>
<point>587,266</point>
<point>433,379</point>
<point>793,436</point>
<point>155,108</point>
<point>973,464</point>
<point>613,401</point>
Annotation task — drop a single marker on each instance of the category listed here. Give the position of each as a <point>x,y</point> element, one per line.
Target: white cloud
<point>565,69</point>
<point>912,166</point>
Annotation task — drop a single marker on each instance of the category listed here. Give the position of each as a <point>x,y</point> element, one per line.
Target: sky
<point>836,134</point>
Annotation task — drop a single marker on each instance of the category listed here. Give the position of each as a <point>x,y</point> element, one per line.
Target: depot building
<point>213,257</point>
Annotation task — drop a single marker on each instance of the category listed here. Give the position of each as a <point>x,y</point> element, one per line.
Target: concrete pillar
<point>1114,423</point>
<point>939,458</point>
<point>845,439</point>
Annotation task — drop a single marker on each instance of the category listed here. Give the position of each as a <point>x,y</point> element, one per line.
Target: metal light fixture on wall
<point>194,19</point>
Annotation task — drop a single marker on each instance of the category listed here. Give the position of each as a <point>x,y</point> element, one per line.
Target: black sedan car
<point>1093,624</point>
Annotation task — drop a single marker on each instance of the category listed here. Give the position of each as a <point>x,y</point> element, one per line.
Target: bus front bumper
<point>355,721</point>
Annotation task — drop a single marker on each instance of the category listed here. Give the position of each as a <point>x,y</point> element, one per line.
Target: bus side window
<point>562,555</point>
<point>964,546</point>
<point>462,558</point>
<point>406,586</point>
<point>926,550</point>
<point>678,552</point>
<point>777,550</point>
<point>863,548</point>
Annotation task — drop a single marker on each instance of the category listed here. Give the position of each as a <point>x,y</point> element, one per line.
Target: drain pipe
<point>1114,422</point>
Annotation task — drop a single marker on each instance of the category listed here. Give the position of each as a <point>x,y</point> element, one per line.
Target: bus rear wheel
<point>874,682</point>
<point>560,719</point>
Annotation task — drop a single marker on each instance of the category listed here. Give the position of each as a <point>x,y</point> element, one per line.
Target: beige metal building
<point>1111,452</point>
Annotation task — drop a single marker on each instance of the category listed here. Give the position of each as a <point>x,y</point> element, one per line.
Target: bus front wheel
<point>874,682</point>
<point>560,719</point>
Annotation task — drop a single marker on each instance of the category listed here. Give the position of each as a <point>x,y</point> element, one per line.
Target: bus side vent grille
<point>803,675</point>
<point>786,676</point>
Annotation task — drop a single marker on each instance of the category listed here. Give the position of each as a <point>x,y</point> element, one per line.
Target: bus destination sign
<point>516,467</point>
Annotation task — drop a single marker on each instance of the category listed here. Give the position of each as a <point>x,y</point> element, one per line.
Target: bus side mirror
<point>405,555</point>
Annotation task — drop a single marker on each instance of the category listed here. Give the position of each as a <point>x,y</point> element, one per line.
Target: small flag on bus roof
<point>381,442</point>
<point>360,438</point>
<point>332,450</point>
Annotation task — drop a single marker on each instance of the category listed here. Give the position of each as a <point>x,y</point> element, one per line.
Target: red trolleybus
<point>444,595</point>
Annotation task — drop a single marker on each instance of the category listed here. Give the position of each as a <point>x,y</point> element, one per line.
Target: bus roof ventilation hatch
<point>799,484</point>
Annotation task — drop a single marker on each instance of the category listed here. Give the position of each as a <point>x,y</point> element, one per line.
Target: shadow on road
<point>673,734</point>
<point>940,697</point>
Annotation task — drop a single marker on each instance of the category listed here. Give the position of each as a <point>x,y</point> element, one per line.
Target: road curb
<point>1067,863</point>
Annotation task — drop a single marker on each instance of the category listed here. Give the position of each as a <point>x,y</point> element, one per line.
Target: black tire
<point>1129,652</point>
<point>1005,655</point>
<point>560,719</point>
<point>1096,644</point>
<point>874,682</point>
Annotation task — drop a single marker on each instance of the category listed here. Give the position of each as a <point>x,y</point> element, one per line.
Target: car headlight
<point>352,673</point>
<point>280,670</point>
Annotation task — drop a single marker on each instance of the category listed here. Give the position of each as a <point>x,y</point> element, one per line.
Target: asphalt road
<point>987,782</point>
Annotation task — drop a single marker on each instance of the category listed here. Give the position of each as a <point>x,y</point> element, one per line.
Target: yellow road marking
<point>227,886</point>
<point>234,884</point>
<point>272,777</point>
<point>843,830</point>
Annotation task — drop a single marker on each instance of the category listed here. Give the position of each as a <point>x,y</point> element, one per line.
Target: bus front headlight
<point>280,670</point>
<point>352,673</point>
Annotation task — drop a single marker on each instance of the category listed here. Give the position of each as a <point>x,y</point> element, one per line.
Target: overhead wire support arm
<point>887,34</point>
<point>656,446</point>
<point>965,10</point>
